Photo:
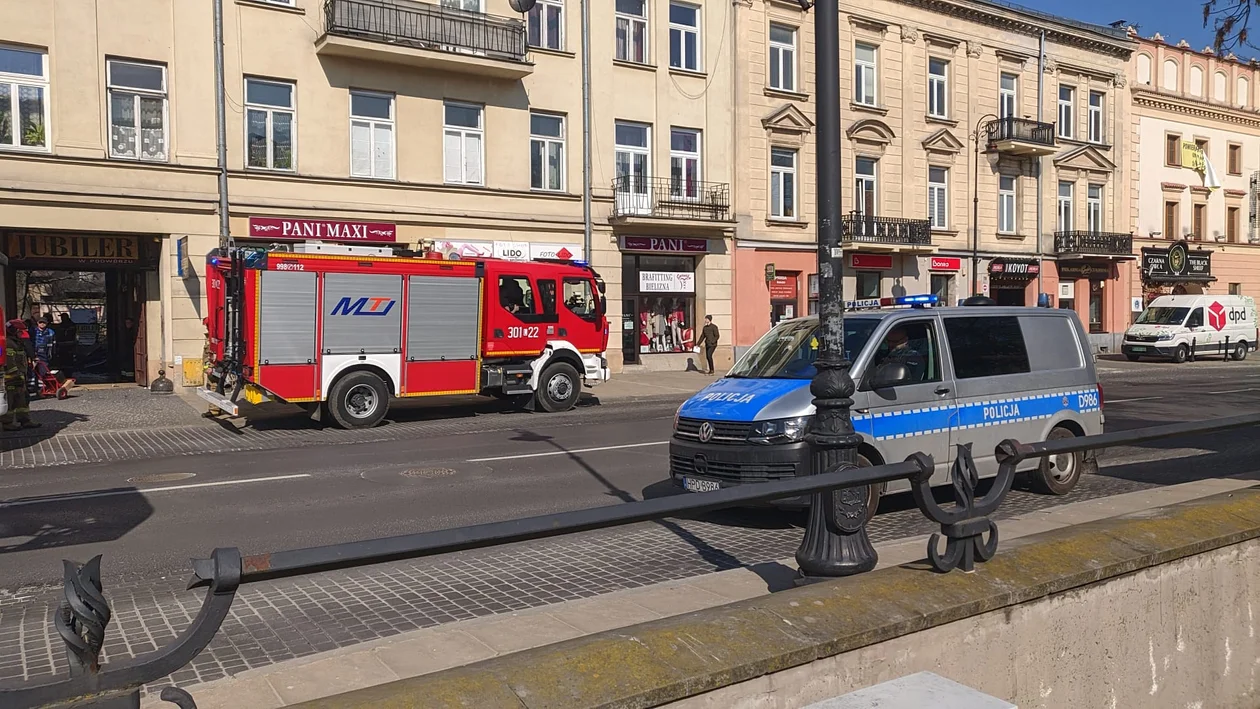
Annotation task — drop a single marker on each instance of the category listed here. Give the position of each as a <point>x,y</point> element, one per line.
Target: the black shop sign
<point>1176,264</point>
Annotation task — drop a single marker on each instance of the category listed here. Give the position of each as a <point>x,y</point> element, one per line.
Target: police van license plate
<point>693,485</point>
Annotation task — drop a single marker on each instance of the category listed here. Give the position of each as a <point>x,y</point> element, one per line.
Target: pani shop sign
<point>285,229</point>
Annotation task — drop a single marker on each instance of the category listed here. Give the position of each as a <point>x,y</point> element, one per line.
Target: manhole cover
<point>161,477</point>
<point>427,472</point>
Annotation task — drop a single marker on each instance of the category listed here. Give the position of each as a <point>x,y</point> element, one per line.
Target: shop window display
<point>666,324</point>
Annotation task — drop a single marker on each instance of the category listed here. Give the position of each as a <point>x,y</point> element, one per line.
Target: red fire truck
<point>343,329</point>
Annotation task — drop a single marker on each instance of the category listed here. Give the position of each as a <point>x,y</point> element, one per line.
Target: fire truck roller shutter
<point>362,327</point>
<point>288,361</point>
<point>442,336</point>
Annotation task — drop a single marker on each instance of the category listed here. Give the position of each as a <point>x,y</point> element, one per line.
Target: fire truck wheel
<point>358,400</point>
<point>558,387</point>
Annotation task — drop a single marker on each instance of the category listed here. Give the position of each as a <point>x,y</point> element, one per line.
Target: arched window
<point>1218,86</point>
<point>1170,75</point>
<point>1144,69</point>
<point>1196,81</point>
<point>1243,96</point>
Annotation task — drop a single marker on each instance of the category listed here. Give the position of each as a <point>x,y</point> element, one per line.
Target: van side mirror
<point>889,375</point>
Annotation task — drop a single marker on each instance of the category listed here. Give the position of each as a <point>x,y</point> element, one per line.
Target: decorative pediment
<point>788,119</point>
<point>1087,158</point>
<point>871,130</point>
<point>943,141</point>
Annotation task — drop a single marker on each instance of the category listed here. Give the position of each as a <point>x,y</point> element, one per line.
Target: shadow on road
<point>54,421</point>
<point>56,521</point>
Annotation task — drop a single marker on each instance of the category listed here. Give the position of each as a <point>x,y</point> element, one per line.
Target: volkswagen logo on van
<point>706,432</point>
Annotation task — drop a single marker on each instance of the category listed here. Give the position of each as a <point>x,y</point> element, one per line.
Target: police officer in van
<point>900,351</point>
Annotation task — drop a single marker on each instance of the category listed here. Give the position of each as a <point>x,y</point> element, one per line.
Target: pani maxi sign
<point>285,229</point>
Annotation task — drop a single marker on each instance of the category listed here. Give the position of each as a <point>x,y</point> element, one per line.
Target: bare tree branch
<point>1229,20</point>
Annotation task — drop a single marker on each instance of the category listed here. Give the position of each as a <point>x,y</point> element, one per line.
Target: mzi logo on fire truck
<point>363,306</point>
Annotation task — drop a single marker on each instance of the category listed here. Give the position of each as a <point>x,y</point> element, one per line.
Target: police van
<point>926,379</point>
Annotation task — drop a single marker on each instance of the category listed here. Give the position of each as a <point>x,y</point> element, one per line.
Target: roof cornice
<point>1176,104</point>
<point>1012,19</point>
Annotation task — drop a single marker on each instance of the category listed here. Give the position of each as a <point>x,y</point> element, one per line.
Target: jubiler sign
<point>105,249</point>
<point>321,229</point>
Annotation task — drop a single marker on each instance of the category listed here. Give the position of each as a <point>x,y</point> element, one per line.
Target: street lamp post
<point>975,207</point>
<point>835,542</point>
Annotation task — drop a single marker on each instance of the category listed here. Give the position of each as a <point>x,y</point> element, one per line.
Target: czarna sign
<point>284,229</point>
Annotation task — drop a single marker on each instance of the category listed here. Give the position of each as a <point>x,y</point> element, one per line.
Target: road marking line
<point>141,491</point>
<point>575,450</point>
<point>1233,391</point>
<point>1140,398</point>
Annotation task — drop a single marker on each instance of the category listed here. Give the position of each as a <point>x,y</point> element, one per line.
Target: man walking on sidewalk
<point>708,340</point>
<point>15,371</point>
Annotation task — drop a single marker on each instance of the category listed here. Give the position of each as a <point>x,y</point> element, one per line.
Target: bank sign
<point>284,229</point>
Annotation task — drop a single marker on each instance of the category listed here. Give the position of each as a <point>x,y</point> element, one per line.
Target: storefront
<point>785,295</point>
<point>1174,271</point>
<point>943,278</point>
<point>1092,289</point>
<point>658,291</point>
<point>1012,281</point>
<point>100,290</point>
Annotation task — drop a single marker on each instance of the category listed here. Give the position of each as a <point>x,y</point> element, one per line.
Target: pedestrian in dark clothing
<point>44,336</point>
<point>709,336</point>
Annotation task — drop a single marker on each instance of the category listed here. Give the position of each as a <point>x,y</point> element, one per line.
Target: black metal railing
<point>859,228</point>
<point>417,24</point>
<point>1022,129</point>
<point>671,198</point>
<point>967,527</point>
<point>1100,243</point>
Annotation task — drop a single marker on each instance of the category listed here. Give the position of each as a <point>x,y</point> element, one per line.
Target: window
<point>1235,289</point>
<point>633,164</point>
<point>23,98</point>
<point>1218,86</point>
<point>546,152</point>
<point>1170,75</point>
<point>269,118</point>
<point>912,345</point>
<point>579,299</point>
<point>1199,215</point>
<point>986,346</point>
<point>1007,223</point>
<point>864,75</point>
<point>517,296</point>
<point>1172,150</point>
<point>1067,112</point>
<point>632,33</point>
<point>783,183</point>
<point>1065,206</point>
<point>938,88</point>
<point>1196,318</point>
<point>938,197</point>
<point>1172,214</point>
<point>1241,96</point>
<point>782,58</point>
<point>1231,225</point>
<point>865,194</point>
<point>684,163</point>
<point>1096,114</point>
<point>1008,96</point>
<point>1234,159</point>
<point>1201,144</point>
<point>684,36</point>
<point>1094,208</point>
<point>137,110</point>
<point>462,144</point>
<point>546,24</point>
<point>943,288</point>
<point>1196,81</point>
<point>868,286</point>
<point>1144,69</point>
<point>666,313</point>
<point>371,135</point>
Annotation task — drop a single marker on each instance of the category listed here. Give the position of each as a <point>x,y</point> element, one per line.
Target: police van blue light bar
<point>911,300</point>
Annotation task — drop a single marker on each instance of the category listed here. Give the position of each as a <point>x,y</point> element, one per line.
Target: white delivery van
<point>1176,326</point>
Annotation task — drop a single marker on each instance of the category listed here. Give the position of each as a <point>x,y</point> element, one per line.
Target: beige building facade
<point>1186,100</point>
<point>453,127</point>
<point>922,82</point>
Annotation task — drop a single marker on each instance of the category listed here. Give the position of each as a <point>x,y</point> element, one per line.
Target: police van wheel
<point>1240,352</point>
<point>1058,474</point>
<point>1181,354</point>
<point>873,492</point>
<point>558,387</point>
<point>358,400</point>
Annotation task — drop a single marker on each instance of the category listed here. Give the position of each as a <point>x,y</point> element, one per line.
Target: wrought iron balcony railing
<point>425,26</point>
<point>1019,130</point>
<point>671,198</point>
<point>861,229</point>
<point>1098,243</point>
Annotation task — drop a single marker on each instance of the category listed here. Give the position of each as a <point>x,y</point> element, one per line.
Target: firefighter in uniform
<point>16,366</point>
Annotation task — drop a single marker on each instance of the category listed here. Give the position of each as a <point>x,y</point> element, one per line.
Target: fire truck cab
<point>344,329</point>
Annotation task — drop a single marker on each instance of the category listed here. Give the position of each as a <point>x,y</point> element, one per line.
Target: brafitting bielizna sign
<point>667,282</point>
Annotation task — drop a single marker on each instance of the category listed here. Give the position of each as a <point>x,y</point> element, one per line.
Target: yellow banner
<point>1192,157</point>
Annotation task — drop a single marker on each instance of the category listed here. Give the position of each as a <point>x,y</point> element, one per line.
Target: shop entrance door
<point>1008,296</point>
<point>1096,306</point>
<point>782,310</point>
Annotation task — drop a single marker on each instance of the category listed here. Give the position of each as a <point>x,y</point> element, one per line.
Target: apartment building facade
<point>453,127</point>
<point>924,83</point>
<point>1188,102</point>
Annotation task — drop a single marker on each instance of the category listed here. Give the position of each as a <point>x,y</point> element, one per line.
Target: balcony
<point>1093,243</point>
<point>428,36</point>
<point>639,199</point>
<point>886,233</point>
<point>1021,136</point>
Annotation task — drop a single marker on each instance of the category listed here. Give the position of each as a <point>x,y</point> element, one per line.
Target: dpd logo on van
<point>1219,316</point>
<point>378,307</point>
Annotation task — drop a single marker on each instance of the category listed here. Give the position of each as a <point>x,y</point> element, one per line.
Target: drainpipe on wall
<point>220,115</point>
<point>586,131</point>
<point>1041,85</point>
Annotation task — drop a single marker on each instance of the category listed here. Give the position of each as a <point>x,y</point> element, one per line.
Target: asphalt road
<point>151,516</point>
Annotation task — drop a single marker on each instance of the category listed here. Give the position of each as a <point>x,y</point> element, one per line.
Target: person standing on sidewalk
<point>709,336</point>
<point>16,364</point>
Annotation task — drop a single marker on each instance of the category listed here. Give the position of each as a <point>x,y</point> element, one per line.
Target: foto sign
<point>667,282</point>
<point>285,229</point>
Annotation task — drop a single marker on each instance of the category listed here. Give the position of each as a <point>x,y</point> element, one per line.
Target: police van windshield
<point>789,350</point>
<point>1163,316</point>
